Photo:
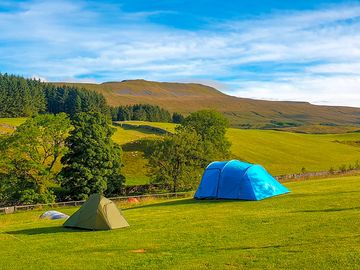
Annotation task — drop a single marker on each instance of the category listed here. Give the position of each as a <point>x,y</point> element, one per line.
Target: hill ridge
<point>242,112</point>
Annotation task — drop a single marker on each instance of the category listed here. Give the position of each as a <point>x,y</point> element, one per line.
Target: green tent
<point>97,213</point>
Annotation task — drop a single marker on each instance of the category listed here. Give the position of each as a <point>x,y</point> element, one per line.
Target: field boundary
<point>27,207</point>
<point>315,175</point>
<point>281,178</point>
<point>149,128</point>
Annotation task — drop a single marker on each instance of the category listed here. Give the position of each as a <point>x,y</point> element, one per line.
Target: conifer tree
<point>93,162</point>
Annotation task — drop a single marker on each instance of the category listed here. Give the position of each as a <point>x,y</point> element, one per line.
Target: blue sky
<point>277,50</point>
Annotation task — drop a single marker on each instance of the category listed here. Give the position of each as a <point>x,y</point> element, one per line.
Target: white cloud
<point>334,90</point>
<point>293,51</point>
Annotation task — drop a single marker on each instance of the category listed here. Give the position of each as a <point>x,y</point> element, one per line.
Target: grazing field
<point>278,151</point>
<point>286,152</point>
<point>317,226</point>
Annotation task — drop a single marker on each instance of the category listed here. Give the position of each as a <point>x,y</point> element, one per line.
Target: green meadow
<point>286,152</point>
<point>279,152</point>
<point>317,226</point>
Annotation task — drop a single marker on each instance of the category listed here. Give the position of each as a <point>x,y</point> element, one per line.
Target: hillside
<point>242,112</point>
<point>316,226</point>
<point>279,152</point>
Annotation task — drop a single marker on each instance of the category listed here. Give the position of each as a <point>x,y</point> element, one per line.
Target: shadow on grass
<point>290,245</point>
<point>317,194</point>
<point>190,201</point>
<point>327,210</point>
<point>46,230</point>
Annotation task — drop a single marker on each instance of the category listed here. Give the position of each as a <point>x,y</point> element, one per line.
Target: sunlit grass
<point>279,152</point>
<point>314,227</point>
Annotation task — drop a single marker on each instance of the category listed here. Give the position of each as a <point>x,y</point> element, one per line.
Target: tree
<point>140,112</point>
<point>93,162</point>
<point>28,158</point>
<point>20,97</point>
<point>211,127</point>
<point>28,97</point>
<point>177,118</point>
<point>178,160</point>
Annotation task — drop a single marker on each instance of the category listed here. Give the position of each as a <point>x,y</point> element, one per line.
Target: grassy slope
<point>7,124</point>
<point>185,98</point>
<point>280,152</point>
<point>284,152</point>
<point>314,227</point>
<point>321,129</point>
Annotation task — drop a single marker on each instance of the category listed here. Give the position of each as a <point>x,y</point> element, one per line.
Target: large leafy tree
<point>28,159</point>
<point>211,127</point>
<point>177,161</point>
<point>93,162</point>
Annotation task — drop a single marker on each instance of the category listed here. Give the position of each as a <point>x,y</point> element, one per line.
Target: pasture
<point>278,151</point>
<point>317,226</point>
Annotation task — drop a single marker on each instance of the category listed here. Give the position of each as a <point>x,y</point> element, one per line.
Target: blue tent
<point>238,180</point>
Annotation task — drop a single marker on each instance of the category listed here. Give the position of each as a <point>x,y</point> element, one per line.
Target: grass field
<point>286,152</point>
<point>279,152</point>
<point>317,226</point>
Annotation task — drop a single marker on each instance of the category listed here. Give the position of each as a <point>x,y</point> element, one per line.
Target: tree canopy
<point>93,162</point>
<point>28,158</point>
<point>211,126</point>
<point>20,97</point>
<point>141,112</point>
<point>178,161</point>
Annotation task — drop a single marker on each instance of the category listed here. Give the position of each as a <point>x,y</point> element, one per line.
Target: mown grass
<point>314,227</point>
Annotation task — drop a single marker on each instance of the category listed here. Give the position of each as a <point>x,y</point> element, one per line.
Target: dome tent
<point>52,214</point>
<point>238,180</point>
<point>97,213</point>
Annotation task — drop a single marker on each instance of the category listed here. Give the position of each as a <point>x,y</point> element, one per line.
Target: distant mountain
<point>242,112</point>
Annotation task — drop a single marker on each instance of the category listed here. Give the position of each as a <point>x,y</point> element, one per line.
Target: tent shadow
<point>45,230</point>
<point>190,201</point>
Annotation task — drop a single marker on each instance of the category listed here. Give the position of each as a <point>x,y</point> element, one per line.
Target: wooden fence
<point>321,174</point>
<point>16,208</point>
<point>281,178</point>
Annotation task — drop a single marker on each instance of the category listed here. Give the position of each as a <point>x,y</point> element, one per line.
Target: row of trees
<point>72,100</point>
<point>51,157</point>
<point>20,97</point>
<point>144,112</point>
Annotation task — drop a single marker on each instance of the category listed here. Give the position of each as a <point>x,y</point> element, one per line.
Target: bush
<point>343,168</point>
